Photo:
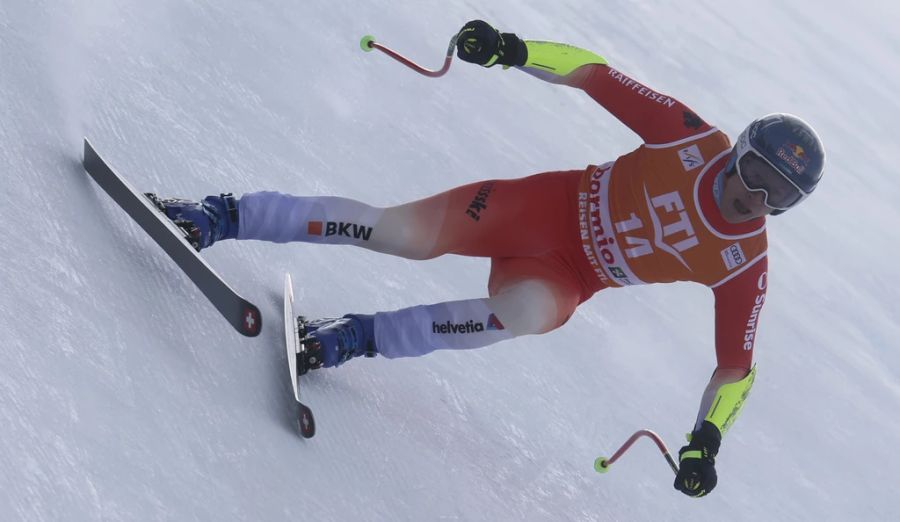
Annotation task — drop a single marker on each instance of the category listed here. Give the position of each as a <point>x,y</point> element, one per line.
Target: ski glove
<point>480,43</point>
<point>697,472</point>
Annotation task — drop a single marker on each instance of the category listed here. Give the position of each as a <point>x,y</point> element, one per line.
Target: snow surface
<point>124,396</point>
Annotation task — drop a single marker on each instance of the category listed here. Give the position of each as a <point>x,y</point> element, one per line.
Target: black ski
<point>243,315</point>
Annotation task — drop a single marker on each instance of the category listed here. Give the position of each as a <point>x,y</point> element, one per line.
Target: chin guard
<point>728,402</point>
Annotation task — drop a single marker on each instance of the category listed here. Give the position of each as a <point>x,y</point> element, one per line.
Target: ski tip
<point>288,289</point>
<point>306,422</point>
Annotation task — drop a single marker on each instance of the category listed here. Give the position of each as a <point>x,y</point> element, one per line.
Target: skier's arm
<point>738,305</point>
<point>739,302</point>
<point>655,117</point>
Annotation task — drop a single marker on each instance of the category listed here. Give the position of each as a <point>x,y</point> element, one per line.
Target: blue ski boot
<point>204,222</point>
<point>332,342</point>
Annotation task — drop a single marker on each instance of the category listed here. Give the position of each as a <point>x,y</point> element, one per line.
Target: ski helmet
<point>787,145</point>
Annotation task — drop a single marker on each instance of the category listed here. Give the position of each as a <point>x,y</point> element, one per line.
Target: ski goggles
<point>759,175</point>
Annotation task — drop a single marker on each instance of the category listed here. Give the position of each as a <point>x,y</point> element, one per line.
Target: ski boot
<point>332,342</point>
<point>203,222</point>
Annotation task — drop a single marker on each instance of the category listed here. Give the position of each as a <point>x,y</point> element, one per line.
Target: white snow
<point>124,396</point>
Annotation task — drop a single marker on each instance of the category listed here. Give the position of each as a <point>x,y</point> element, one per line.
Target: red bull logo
<point>794,156</point>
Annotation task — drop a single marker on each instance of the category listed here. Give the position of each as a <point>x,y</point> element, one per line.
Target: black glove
<point>480,43</point>
<point>697,473</point>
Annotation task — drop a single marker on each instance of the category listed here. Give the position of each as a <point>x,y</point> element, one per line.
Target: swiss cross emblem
<point>251,322</point>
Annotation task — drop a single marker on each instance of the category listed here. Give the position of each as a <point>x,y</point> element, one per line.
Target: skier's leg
<point>521,217</point>
<point>525,217</point>
<point>528,296</point>
<point>282,218</point>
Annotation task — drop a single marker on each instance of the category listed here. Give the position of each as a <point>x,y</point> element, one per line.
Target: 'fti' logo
<point>332,228</point>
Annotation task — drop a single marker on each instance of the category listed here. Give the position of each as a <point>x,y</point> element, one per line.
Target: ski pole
<point>602,464</point>
<point>368,43</point>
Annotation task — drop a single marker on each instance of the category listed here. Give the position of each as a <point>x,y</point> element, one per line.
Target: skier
<point>684,206</point>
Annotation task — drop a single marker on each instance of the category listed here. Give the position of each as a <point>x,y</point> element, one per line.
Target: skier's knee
<point>528,308</point>
<point>402,235</point>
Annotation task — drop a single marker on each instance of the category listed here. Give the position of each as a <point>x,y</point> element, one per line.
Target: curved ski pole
<point>602,464</point>
<point>368,43</point>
